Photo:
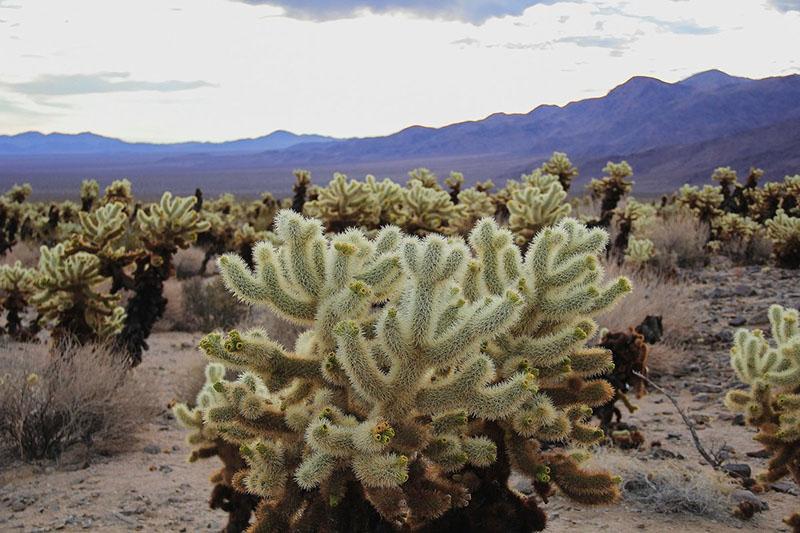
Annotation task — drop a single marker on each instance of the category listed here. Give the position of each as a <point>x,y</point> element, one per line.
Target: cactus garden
<point>418,355</point>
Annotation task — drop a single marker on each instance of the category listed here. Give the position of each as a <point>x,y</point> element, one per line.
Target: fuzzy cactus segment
<point>772,405</point>
<point>423,357</point>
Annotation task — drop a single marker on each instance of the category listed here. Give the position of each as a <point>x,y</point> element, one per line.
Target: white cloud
<point>365,75</point>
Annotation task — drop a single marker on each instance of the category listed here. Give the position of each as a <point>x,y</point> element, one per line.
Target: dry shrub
<point>667,358</point>
<point>672,486</point>
<point>207,305</point>
<point>756,250</point>
<point>654,295</point>
<point>679,240</point>
<point>88,396</point>
<point>25,252</point>
<point>187,262</point>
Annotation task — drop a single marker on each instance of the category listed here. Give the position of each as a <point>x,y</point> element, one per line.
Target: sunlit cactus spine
<point>772,405</point>
<point>429,369</point>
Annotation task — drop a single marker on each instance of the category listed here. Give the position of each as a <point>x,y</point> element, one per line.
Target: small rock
<point>786,487</point>
<point>152,449</point>
<point>716,292</point>
<point>166,469</point>
<point>738,420</point>
<point>738,321</point>
<point>739,470</point>
<point>741,495</point>
<point>744,290</point>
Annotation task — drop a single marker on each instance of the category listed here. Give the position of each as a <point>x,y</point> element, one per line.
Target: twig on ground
<point>713,461</point>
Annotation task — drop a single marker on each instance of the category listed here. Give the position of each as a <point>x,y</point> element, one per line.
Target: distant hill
<point>89,143</point>
<point>670,132</point>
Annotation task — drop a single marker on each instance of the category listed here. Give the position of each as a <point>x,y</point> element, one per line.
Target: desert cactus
<point>784,231</point>
<point>772,405</point>
<point>16,289</point>
<point>610,189</point>
<point>101,232</point>
<point>424,209</point>
<point>472,206</point>
<point>538,204</point>
<point>68,297</point>
<point>302,181</point>
<point>560,165</point>
<point>119,191</point>
<point>163,228</point>
<point>90,191</point>
<point>345,204</point>
<point>455,182</point>
<point>423,358</point>
<point>639,252</point>
<point>705,203</point>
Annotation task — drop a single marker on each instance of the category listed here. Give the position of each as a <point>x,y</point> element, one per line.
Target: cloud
<point>681,26</point>
<point>475,11</point>
<point>101,82</point>
<point>785,5</point>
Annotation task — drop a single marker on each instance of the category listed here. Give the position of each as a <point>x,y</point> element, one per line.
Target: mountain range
<point>672,133</point>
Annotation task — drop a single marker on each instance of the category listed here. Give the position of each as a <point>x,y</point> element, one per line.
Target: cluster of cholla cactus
<point>784,231</point>
<point>741,216</point>
<point>430,368</point>
<point>559,165</point>
<point>610,189</point>
<point>772,404</point>
<point>12,215</point>
<point>91,255</point>
<point>538,202</point>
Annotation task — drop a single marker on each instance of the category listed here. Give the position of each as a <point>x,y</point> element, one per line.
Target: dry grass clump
<point>88,396</point>
<point>188,262</point>
<point>653,295</point>
<point>207,305</point>
<point>672,487</point>
<point>679,240</point>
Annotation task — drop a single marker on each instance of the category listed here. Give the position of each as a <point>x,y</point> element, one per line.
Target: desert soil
<point>153,488</point>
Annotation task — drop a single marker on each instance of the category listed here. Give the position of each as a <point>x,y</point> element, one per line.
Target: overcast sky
<point>175,70</point>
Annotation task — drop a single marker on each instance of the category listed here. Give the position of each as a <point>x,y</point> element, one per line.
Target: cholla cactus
<point>611,189</point>
<point>163,229</point>
<point>454,182</point>
<point>424,209</point>
<point>344,204</point>
<point>705,203</point>
<point>422,358</point>
<point>100,234</point>
<point>472,206</point>
<point>16,288</point>
<point>427,178</point>
<point>773,402</point>
<point>538,204</point>
<point>67,296</point>
<point>560,165</point>
<point>90,191</point>
<point>119,191</point>
<point>300,188</point>
<point>639,252</point>
<point>784,231</point>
